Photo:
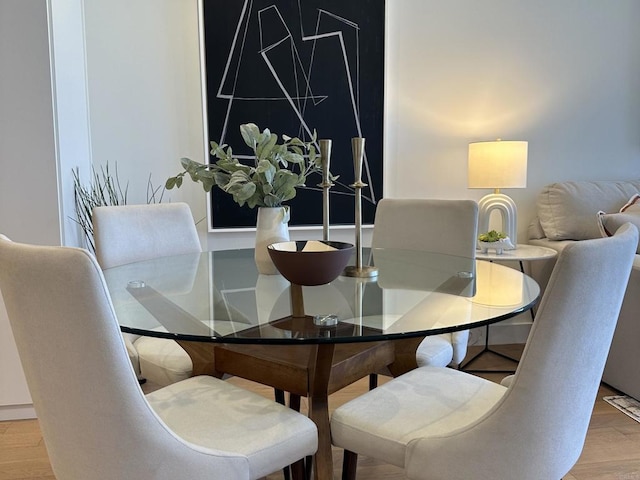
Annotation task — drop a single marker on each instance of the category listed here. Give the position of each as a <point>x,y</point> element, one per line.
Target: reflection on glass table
<point>219,297</point>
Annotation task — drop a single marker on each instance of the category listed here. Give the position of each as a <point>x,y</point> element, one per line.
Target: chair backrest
<point>539,426</point>
<point>131,233</point>
<point>443,226</point>
<point>94,418</point>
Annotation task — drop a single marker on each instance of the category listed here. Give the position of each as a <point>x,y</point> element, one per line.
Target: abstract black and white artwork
<point>295,66</point>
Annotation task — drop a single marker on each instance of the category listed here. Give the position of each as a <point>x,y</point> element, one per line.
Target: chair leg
<point>286,472</point>
<point>298,471</point>
<point>308,467</point>
<point>373,381</point>
<point>294,402</point>
<point>279,396</point>
<point>349,464</point>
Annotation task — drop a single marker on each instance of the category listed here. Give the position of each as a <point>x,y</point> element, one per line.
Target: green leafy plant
<point>492,236</point>
<point>277,171</point>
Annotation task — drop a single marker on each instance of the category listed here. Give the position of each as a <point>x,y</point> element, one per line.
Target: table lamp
<point>496,165</point>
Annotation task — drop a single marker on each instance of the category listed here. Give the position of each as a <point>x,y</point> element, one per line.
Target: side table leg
<point>533,315</point>
<point>465,366</point>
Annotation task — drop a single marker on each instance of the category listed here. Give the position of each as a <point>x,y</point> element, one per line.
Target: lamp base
<point>507,208</point>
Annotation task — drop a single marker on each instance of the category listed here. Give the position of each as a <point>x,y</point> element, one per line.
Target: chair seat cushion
<point>162,361</point>
<point>435,351</point>
<point>213,414</point>
<point>423,402</point>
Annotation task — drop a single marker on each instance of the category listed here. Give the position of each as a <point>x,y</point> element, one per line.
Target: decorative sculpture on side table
<point>498,241</point>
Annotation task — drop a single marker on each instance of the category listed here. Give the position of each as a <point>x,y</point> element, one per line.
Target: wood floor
<point>611,452</point>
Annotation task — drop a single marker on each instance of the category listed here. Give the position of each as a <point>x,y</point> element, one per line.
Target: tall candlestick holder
<point>359,270</point>
<point>325,158</point>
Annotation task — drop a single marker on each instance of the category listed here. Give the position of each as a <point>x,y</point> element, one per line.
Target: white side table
<point>522,253</point>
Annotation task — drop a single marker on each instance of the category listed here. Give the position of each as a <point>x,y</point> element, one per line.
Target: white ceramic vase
<point>272,226</point>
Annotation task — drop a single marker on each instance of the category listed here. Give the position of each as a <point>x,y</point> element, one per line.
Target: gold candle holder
<point>325,158</point>
<point>359,270</point>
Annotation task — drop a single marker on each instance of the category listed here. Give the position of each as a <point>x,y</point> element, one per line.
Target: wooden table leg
<point>202,357</point>
<point>320,361</point>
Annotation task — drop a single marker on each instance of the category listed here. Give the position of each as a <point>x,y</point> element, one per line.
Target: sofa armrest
<point>622,370</point>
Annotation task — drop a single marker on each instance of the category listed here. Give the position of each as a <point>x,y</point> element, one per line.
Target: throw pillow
<point>633,209</point>
<point>632,204</point>
<point>610,222</point>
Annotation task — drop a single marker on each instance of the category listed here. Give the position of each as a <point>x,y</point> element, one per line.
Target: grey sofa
<point>568,212</point>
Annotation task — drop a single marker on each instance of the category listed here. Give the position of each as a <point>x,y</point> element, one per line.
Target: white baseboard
<point>16,412</point>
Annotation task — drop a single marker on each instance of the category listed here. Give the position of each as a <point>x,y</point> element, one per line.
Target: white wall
<point>28,184</point>
<point>28,195</point>
<point>562,74</point>
<point>144,92</point>
<point>71,129</point>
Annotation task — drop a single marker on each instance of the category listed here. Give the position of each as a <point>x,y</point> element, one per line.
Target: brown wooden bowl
<point>310,262</point>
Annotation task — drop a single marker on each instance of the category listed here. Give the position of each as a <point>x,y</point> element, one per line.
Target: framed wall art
<point>295,67</point>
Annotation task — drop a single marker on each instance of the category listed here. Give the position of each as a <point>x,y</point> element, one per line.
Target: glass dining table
<point>217,306</point>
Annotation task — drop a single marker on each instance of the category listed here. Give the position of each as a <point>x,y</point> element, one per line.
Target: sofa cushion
<point>569,210</point>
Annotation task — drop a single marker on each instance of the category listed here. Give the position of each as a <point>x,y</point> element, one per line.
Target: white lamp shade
<point>499,164</point>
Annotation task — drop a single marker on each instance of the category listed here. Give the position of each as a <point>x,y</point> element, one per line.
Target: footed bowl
<point>310,262</point>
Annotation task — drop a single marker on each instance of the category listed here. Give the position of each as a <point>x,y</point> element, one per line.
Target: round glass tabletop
<point>219,296</point>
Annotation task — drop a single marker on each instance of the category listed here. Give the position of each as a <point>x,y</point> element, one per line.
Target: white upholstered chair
<point>133,233</point>
<point>441,423</point>
<point>95,420</point>
<point>442,226</point>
